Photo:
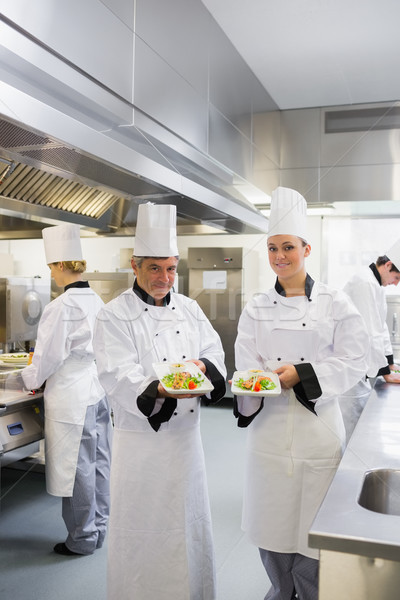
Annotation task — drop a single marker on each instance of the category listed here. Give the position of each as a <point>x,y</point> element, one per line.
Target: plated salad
<point>255,383</point>
<point>182,380</point>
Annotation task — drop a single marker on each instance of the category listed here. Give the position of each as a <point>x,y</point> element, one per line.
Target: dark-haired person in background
<point>366,291</point>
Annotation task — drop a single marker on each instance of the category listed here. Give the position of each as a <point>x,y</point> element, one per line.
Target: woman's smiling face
<point>286,255</point>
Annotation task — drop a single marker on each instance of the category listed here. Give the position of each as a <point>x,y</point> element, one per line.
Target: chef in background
<point>366,291</point>
<point>160,537</point>
<point>77,415</point>
<point>315,340</point>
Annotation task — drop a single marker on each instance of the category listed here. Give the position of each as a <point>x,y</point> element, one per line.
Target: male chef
<point>366,291</point>
<point>160,538</point>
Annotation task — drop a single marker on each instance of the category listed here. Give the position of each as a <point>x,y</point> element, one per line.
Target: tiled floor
<point>31,523</point>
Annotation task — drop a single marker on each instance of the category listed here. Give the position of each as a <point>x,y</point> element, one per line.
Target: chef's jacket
<point>295,440</point>
<point>64,359</point>
<point>160,537</point>
<point>368,295</point>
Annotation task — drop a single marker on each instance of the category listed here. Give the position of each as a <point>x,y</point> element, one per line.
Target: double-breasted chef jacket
<point>295,440</point>
<point>64,359</point>
<point>368,295</point>
<point>160,537</point>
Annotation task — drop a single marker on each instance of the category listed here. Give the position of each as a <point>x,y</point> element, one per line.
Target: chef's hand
<point>395,368</point>
<point>287,376</point>
<point>392,377</point>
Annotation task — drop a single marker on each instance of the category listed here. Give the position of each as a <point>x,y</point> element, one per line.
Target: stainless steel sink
<point>381,491</point>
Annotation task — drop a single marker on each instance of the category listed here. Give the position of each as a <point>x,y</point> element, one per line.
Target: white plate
<point>165,368</point>
<point>19,358</point>
<point>238,391</point>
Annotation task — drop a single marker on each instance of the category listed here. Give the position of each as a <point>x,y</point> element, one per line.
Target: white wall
<point>103,254</point>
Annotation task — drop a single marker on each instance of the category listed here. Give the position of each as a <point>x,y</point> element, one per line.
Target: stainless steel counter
<point>342,525</point>
<point>21,419</point>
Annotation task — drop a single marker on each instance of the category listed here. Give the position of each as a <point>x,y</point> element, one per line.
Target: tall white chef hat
<point>156,230</point>
<point>62,242</point>
<point>393,254</point>
<point>288,213</point>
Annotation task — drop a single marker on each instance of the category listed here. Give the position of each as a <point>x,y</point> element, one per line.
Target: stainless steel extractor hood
<point>44,181</point>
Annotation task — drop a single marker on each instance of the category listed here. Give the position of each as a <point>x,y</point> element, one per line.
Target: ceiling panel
<point>314,53</point>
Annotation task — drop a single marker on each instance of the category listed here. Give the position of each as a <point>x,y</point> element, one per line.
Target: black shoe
<point>62,549</point>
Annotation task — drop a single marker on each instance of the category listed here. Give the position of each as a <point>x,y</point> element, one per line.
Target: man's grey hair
<point>139,259</point>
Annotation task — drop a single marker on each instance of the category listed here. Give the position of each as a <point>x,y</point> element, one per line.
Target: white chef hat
<point>156,230</point>
<point>393,254</point>
<point>288,213</point>
<point>62,242</point>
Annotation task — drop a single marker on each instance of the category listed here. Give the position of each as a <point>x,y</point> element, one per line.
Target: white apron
<point>67,395</point>
<point>64,358</point>
<point>162,503</point>
<point>280,484</point>
<point>292,454</point>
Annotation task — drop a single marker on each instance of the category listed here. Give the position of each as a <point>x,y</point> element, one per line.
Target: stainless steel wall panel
<point>360,148</point>
<point>234,90</point>
<point>266,151</point>
<point>267,136</point>
<point>80,31</point>
<point>123,10</point>
<point>300,138</point>
<point>177,31</point>
<point>306,181</point>
<point>266,179</point>
<point>360,183</point>
<point>166,96</point>
<point>227,144</point>
<point>230,81</point>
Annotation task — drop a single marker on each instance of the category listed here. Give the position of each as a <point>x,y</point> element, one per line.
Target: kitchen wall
<point>103,254</point>
<point>339,246</point>
<point>342,154</point>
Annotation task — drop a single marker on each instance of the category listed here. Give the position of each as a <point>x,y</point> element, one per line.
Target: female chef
<point>77,416</point>
<point>314,339</point>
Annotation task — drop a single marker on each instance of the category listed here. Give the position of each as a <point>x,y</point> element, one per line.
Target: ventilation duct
<point>364,119</point>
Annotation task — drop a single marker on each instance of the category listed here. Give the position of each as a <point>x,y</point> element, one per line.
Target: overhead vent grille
<point>13,136</point>
<point>47,173</point>
<point>71,161</point>
<point>28,184</point>
<point>40,150</point>
<point>365,119</point>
